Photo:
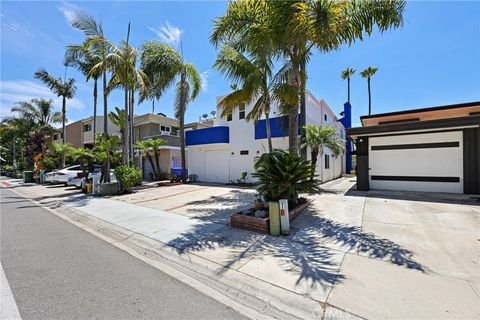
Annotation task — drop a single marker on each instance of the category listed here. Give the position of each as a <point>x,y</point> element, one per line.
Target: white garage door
<point>217,166</point>
<point>417,162</point>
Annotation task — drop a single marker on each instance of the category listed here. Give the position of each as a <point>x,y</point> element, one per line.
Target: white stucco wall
<point>231,163</point>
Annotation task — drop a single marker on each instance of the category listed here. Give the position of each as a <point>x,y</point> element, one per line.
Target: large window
<point>165,129</point>
<point>327,161</point>
<point>87,127</point>
<point>241,113</point>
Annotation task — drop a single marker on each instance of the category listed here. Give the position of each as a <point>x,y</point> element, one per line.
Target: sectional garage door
<point>217,166</point>
<point>417,162</point>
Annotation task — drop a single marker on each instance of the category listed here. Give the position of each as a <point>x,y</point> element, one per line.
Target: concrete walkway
<point>377,255</point>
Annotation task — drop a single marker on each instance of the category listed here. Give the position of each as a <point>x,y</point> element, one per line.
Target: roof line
<point>451,106</point>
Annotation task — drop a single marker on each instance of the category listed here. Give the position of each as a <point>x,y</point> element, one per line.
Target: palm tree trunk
<point>314,158</point>
<point>126,127</point>
<point>105,107</point>
<point>182,123</point>
<point>152,164</point>
<point>269,130</point>
<point>14,153</point>
<point>369,99</point>
<point>293,112</point>
<point>132,101</point>
<point>107,167</point>
<point>348,89</point>
<point>64,131</point>
<point>157,161</point>
<point>94,112</point>
<point>303,109</point>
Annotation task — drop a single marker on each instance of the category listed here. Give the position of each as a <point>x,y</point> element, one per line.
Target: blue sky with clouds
<point>434,59</point>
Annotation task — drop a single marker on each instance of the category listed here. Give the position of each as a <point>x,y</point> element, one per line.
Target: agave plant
<point>282,175</point>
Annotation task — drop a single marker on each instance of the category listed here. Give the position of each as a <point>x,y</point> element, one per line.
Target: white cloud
<point>69,11</point>
<point>12,91</point>
<point>204,76</point>
<point>168,33</point>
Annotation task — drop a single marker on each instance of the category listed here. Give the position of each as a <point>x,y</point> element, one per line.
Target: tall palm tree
<point>346,75</point>
<point>164,65</point>
<point>84,58</point>
<point>106,147</point>
<point>255,83</point>
<point>297,27</point>
<point>368,73</point>
<point>62,150</point>
<point>100,47</point>
<point>121,60</point>
<point>319,138</point>
<point>64,88</point>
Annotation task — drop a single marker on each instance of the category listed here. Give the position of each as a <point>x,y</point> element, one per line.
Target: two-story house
<point>221,153</point>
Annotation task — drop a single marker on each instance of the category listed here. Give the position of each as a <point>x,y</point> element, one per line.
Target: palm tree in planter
<point>253,73</point>
<point>118,119</point>
<point>318,138</point>
<point>84,157</point>
<point>106,146</point>
<point>164,65</point>
<point>368,73</point>
<point>346,75</point>
<point>146,146</point>
<point>61,150</point>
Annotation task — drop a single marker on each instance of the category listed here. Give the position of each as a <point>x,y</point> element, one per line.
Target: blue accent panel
<point>211,135</point>
<point>277,127</point>
<point>178,172</point>
<point>347,123</point>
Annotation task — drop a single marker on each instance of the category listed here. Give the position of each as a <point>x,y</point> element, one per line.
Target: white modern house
<point>221,153</point>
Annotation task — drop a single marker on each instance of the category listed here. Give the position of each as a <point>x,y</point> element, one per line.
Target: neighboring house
<point>150,126</point>
<point>80,133</point>
<point>433,149</point>
<point>221,153</point>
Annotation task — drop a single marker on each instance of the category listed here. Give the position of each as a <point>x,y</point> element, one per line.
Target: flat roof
<point>451,106</point>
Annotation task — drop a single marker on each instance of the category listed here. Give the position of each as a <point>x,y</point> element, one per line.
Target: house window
<point>244,152</point>
<point>229,117</point>
<point>55,136</point>
<point>87,127</point>
<point>325,117</point>
<point>327,161</point>
<point>165,129</point>
<point>241,113</point>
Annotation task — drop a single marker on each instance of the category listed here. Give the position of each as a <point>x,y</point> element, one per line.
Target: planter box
<point>108,189</point>
<point>252,223</point>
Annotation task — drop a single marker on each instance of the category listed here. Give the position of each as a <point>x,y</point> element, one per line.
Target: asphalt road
<point>58,271</point>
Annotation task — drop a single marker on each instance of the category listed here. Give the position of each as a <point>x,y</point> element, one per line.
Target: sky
<point>434,59</point>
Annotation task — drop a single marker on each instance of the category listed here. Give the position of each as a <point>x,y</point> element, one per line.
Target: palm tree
<point>64,88</point>
<point>84,59</point>
<point>318,138</point>
<point>294,28</point>
<point>39,114</point>
<point>118,119</point>
<point>255,83</point>
<point>346,75</point>
<point>106,146</point>
<point>99,47</point>
<point>15,126</point>
<point>152,145</point>
<point>62,150</point>
<point>368,73</point>
<point>126,75</point>
<point>164,65</point>
<point>84,157</point>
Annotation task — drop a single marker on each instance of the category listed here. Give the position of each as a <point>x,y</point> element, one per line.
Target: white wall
<point>242,138</point>
<point>440,162</point>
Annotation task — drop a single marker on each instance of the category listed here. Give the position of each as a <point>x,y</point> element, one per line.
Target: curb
<point>250,296</point>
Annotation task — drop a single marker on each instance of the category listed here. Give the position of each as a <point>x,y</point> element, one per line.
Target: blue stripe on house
<point>278,128</point>
<point>220,134</point>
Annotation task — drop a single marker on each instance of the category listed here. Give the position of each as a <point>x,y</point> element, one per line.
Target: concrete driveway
<point>407,255</point>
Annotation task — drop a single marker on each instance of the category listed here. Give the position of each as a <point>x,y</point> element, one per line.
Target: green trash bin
<point>27,176</point>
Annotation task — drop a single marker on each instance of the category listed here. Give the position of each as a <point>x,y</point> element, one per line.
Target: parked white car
<point>78,179</point>
<point>62,175</point>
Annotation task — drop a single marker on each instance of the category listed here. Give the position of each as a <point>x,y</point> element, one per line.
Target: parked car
<point>62,175</point>
<point>78,180</point>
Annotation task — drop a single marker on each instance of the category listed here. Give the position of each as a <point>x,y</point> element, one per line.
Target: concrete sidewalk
<point>363,255</point>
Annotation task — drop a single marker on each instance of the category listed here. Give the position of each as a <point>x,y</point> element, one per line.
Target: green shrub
<point>50,162</point>
<point>282,175</point>
<point>128,176</point>
<point>8,168</point>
